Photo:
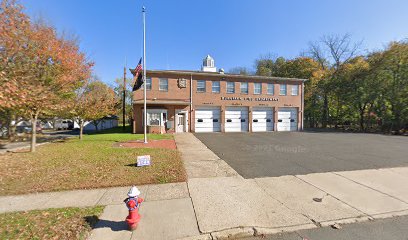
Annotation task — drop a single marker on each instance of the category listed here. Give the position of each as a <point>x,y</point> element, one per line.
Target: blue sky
<point>235,32</point>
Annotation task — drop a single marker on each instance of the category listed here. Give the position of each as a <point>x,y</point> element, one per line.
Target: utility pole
<point>124,97</point>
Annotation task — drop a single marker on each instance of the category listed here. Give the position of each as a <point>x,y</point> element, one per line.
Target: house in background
<point>107,122</point>
<point>68,124</point>
<point>103,123</point>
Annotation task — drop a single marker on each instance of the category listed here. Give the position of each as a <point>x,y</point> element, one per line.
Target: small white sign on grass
<point>143,161</point>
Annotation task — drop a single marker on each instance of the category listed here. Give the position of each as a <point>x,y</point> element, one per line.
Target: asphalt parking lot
<point>275,154</point>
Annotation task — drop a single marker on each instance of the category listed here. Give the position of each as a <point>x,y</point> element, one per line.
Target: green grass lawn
<point>63,223</point>
<point>90,163</point>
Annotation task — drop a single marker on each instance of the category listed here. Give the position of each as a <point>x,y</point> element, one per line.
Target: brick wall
<point>175,93</point>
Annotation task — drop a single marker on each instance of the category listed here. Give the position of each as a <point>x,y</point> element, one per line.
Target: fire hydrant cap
<point>133,192</point>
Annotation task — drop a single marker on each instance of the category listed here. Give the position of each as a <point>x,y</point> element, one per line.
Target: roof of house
<point>201,73</point>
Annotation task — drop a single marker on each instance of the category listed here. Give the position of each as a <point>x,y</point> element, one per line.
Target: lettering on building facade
<point>257,99</point>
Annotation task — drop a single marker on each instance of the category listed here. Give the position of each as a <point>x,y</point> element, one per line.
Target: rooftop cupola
<point>208,64</point>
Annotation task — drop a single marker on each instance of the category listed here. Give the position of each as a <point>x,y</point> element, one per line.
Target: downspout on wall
<point>303,105</point>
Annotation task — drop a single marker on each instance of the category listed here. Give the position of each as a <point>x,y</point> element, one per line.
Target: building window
<point>282,89</point>
<point>153,119</point>
<point>257,88</point>
<point>230,87</point>
<point>163,84</point>
<point>148,84</point>
<point>295,90</point>
<point>200,85</point>
<point>216,86</point>
<point>244,87</point>
<point>271,88</point>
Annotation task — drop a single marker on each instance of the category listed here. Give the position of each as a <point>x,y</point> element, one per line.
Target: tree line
<point>44,74</point>
<point>347,89</point>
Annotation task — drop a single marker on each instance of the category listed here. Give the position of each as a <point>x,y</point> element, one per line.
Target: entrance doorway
<point>181,121</point>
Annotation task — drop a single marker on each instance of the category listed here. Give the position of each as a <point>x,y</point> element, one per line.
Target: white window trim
<point>233,83</point>
<point>260,84</point>
<point>247,88</point>
<point>148,89</point>
<point>160,111</point>
<point>297,90</point>
<point>167,80</point>
<point>268,88</point>
<point>205,83</point>
<point>212,86</point>
<point>286,89</point>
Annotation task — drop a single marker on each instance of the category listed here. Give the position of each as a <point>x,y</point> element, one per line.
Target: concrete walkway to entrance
<point>199,161</point>
<point>217,203</point>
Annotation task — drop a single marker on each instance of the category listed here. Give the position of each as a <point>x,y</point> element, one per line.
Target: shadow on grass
<point>95,223</point>
<point>130,165</point>
<point>91,220</point>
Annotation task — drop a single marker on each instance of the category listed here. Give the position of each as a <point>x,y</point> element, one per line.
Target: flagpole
<point>144,73</point>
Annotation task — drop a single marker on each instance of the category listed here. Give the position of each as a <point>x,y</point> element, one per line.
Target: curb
<point>233,233</point>
<point>260,231</point>
<point>198,237</point>
<point>346,221</point>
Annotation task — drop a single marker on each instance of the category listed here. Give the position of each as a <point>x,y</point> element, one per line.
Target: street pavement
<point>383,229</point>
<point>274,154</point>
<point>218,203</point>
<point>47,137</point>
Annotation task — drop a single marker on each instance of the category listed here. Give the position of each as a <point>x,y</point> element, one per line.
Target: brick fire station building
<point>213,101</point>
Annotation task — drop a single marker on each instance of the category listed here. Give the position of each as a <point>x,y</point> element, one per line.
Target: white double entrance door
<point>181,121</point>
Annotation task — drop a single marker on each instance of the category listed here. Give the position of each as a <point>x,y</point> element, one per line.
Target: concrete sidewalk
<point>92,197</point>
<point>217,203</point>
<point>166,207</point>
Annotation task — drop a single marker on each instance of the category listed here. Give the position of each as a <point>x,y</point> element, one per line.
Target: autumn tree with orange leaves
<point>93,101</point>
<point>40,70</point>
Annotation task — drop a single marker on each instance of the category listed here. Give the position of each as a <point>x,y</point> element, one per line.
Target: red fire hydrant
<point>133,203</point>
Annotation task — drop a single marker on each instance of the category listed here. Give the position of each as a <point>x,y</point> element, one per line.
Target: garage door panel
<point>236,119</point>
<point>262,119</point>
<point>206,114</point>
<point>207,120</point>
<point>287,119</point>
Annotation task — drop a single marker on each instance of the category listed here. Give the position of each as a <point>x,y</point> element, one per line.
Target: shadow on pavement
<point>115,226</point>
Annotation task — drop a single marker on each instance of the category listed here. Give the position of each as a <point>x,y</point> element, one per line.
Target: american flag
<point>138,75</point>
<point>139,68</point>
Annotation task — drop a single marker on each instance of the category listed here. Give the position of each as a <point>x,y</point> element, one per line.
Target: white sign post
<point>143,161</point>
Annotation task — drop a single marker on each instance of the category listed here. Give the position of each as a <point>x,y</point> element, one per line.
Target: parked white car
<point>62,124</point>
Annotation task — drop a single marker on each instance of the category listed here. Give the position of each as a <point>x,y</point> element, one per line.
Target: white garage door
<point>236,119</point>
<point>262,119</point>
<point>287,119</point>
<point>207,119</point>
